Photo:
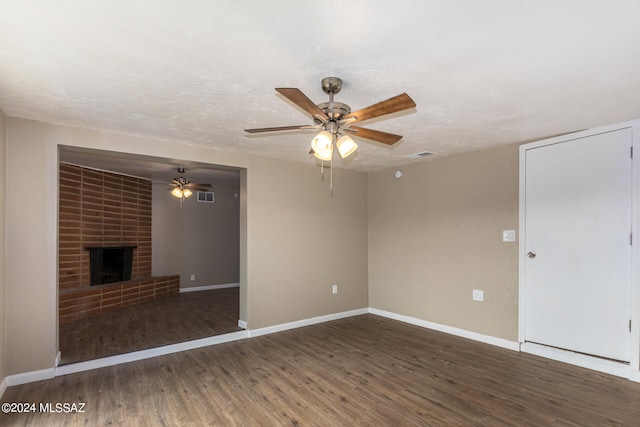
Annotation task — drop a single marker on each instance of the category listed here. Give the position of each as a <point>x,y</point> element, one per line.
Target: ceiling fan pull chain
<point>331,171</point>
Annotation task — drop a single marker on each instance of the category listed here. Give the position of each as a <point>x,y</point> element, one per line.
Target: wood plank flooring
<point>168,320</point>
<point>365,370</point>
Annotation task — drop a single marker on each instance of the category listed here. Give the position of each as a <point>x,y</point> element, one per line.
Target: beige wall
<point>302,239</point>
<point>200,238</point>
<point>3,163</point>
<point>285,204</point>
<point>31,290</point>
<point>243,246</point>
<point>436,234</point>
<point>31,294</point>
<point>431,237</point>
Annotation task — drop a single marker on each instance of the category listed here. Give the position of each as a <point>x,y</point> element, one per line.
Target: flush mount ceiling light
<point>182,189</point>
<point>335,120</point>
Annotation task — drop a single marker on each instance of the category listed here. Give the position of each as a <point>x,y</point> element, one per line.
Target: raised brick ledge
<point>83,303</point>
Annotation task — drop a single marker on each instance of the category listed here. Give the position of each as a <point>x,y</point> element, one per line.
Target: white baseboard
<point>30,377</point>
<point>306,322</point>
<point>168,349</point>
<point>209,287</point>
<point>146,354</point>
<point>618,369</point>
<point>487,339</point>
<point>590,362</point>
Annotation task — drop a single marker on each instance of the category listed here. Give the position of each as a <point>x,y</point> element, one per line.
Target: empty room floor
<point>363,370</point>
<point>168,320</point>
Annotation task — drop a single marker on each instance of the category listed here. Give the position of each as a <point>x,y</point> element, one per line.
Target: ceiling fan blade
<point>198,187</point>
<point>391,105</point>
<point>301,100</point>
<point>276,129</point>
<point>375,135</point>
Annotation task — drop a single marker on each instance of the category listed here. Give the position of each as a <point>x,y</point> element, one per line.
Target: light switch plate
<point>508,235</point>
<point>478,295</point>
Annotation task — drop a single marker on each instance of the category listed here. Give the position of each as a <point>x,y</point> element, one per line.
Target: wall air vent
<point>206,196</point>
<point>419,155</point>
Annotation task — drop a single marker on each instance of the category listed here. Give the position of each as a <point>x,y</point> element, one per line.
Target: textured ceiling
<point>159,170</point>
<point>482,73</point>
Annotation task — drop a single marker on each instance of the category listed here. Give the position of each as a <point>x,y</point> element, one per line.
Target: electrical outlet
<point>193,277</point>
<point>508,235</point>
<point>334,289</point>
<point>478,295</point>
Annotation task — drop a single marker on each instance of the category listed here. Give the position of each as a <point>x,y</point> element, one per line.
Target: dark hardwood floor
<point>364,370</point>
<point>169,320</point>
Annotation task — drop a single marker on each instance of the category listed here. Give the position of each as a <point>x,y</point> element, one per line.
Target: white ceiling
<point>482,73</point>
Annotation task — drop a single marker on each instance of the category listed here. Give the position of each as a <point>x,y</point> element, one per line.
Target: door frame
<point>632,370</point>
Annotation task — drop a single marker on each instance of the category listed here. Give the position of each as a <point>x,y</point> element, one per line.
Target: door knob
<point>531,254</point>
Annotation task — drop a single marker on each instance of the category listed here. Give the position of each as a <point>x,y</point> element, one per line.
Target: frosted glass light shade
<point>325,155</point>
<point>346,146</point>
<point>180,193</point>
<point>321,141</point>
<point>322,145</point>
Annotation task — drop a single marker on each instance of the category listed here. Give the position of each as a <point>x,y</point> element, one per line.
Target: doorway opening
<point>141,299</point>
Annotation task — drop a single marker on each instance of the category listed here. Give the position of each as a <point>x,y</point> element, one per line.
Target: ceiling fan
<point>335,120</point>
<point>181,188</point>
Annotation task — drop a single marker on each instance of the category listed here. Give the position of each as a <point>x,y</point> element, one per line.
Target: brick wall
<point>101,209</point>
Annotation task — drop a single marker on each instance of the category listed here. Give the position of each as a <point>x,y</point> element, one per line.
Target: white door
<point>577,245</point>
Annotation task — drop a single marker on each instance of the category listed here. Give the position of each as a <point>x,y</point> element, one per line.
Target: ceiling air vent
<point>206,196</point>
<point>419,155</point>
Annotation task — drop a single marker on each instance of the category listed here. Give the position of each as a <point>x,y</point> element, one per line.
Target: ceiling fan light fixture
<point>326,154</point>
<point>181,188</point>
<point>321,141</point>
<point>346,146</point>
<point>177,193</point>
<point>335,117</point>
<point>322,145</point>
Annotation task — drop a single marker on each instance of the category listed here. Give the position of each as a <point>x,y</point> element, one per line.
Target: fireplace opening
<point>110,264</point>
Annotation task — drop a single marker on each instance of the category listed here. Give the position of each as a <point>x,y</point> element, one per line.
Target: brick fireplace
<point>110,264</point>
<point>103,210</point>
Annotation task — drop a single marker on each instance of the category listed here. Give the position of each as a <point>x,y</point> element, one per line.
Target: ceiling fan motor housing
<point>331,85</point>
<point>335,110</point>
<point>181,180</point>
